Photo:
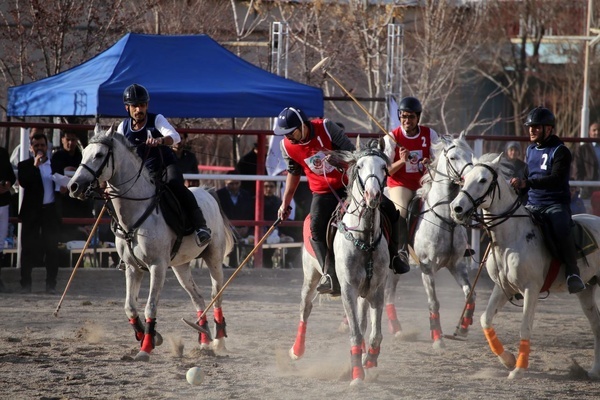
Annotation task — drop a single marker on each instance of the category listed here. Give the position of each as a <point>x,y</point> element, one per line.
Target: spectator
<point>515,159</point>
<point>237,204</point>
<point>15,156</point>
<point>272,202</point>
<point>248,165</point>
<point>186,160</point>
<point>40,222</point>
<point>7,179</point>
<point>67,158</point>
<point>586,162</point>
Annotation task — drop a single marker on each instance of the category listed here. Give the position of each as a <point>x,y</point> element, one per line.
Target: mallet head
<point>319,65</point>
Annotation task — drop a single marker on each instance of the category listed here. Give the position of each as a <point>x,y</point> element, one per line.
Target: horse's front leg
<point>157,280</point>
<point>350,302</point>
<point>376,313</point>
<point>530,299</point>
<point>460,274</point>
<point>390,307</point>
<point>495,303</point>
<point>434,310</point>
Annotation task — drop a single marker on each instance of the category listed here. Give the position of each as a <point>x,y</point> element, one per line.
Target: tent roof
<point>188,76</point>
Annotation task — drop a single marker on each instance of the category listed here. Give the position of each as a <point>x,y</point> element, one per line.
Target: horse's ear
<point>462,134</point>
<point>382,144</point>
<point>97,129</point>
<point>358,142</point>
<point>111,130</point>
<point>498,159</point>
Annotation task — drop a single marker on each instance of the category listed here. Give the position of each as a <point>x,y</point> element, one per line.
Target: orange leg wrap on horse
<point>220,323</point>
<point>494,342</point>
<point>204,338</point>
<point>468,318</point>
<point>218,313</point>
<point>524,350</point>
<point>299,344</point>
<point>357,370</point>
<point>393,323</point>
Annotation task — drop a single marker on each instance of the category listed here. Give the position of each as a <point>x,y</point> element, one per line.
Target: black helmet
<point>135,94</point>
<point>410,104</point>
<point>289,120</point>
<point>540,116</point>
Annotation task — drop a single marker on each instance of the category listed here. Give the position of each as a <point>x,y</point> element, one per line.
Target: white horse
<point>144,241</point>
<point>519,260</point>
<point>361,260</point>
<point>438,240</point>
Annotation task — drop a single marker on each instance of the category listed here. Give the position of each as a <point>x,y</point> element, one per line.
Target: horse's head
<point>480,188</point>
<point>369,173</point>
<point>93,170</point>
<point>456,156</point>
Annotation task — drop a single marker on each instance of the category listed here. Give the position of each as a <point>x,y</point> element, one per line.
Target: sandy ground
<point>85,352</point>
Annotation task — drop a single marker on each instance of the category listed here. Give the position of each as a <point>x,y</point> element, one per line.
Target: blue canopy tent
<point>189,76</point>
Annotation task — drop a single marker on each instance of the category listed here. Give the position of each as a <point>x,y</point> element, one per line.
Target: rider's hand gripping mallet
<point>87,243</point>
<point>238,269</point>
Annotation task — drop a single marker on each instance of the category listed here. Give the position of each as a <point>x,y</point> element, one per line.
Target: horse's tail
<point>229,236</point>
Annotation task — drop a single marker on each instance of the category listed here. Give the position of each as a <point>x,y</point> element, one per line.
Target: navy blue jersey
<point>154,157</point>
<point>548,173</point>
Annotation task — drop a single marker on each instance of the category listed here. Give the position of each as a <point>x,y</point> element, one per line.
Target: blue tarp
<point>189,76</point>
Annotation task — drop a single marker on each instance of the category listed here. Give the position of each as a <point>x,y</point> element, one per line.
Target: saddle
<point>584,243</point>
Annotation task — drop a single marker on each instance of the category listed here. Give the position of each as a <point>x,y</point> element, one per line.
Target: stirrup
<point>400,263</point>
<point>203,236</point>
<point>575,284</point>
<point>326,286</point>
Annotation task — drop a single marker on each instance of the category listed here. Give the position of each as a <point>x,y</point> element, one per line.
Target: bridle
<point>96,174</point>
<point>362,181</point>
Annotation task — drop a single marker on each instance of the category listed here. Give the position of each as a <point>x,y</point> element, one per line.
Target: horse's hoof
<point>463,333</point>
<point>158,339</point>
<point>357,382</point>
<point>508,359</point>
<point>142,356</point>
<point>218,346</point>
<point>292,355</point>
<point>516,373</point>
<point>206,346</point>
<point>593,375</point>
<point>343,328</point>
<point>439,344</point>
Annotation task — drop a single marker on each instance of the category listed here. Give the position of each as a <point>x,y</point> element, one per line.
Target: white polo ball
<point>194,376</point>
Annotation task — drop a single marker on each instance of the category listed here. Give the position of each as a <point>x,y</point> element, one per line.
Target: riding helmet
<point>135,94</point>
<point>289,120</point>
<point>540,116</point>
<point>410,104</point>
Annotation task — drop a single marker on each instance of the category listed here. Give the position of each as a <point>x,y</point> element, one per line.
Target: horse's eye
<point>483,180</point>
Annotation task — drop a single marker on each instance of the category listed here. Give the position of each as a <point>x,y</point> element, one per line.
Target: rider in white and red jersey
<point>410,153</point>
<point>304,148</point>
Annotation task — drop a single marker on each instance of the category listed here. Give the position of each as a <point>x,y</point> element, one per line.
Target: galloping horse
<point>361,259</point>
<point>520,261</point>
<point>438,240</point>
<point>144,241</point>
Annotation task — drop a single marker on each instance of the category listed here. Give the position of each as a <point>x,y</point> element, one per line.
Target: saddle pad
<point>585,241</point>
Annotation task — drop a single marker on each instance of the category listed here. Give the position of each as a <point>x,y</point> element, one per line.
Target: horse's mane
<point>347,159</point>
<point>504,168</point>
<point>437,149</point>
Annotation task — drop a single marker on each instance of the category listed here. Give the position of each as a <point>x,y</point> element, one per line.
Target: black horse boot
<point>329,283</point>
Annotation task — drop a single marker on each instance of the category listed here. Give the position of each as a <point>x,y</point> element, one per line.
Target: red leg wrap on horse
<point>468,318</point>
<point>434,326</point>
<point>357,370</point>
<point>203,338</point>
<point>299,344</point>
<point>220,323</point>
<point>138,328</point>
<point>524,350</point>
<point>149,334</point>
<point>393,323</point>
<point>371,359</point>
<point>494,342</point>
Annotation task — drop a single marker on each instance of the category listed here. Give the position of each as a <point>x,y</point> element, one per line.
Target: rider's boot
<point>567,249</point>
<point>329,283</point>
<point>397,247</point>
<point>202,231</point>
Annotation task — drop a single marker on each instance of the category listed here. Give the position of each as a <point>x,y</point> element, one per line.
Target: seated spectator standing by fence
<point>586,162</point>
<point>248,165</point>
<point>237,204</point>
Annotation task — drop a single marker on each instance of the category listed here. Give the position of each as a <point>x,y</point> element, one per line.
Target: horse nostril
<point>458,209</point>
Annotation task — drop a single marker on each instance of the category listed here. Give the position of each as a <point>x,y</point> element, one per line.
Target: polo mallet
<point>481,264</point>
<point>238,269</point>
<point>87,243</point>
<point>321,65</point>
